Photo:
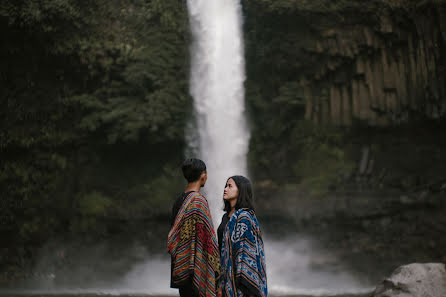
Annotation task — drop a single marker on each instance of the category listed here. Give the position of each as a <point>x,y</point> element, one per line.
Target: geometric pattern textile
<point>243,257</point>
<point>193,247</point>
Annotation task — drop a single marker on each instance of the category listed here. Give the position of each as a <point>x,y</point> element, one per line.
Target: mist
<point>296,265</point>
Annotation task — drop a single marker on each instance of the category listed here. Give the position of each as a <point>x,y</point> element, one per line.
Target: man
<point>191,241</point>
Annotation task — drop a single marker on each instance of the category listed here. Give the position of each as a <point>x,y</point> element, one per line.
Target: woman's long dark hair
<point>244,199</point>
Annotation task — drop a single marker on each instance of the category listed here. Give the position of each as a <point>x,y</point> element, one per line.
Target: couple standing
<point>235,267</point>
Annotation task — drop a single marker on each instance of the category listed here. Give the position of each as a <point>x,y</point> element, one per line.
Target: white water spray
<point>221,136</point>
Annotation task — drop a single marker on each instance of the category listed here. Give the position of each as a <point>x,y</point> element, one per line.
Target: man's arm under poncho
<point>193,246</point>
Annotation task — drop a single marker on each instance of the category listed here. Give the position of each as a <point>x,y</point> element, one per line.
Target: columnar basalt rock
<point>380,73</point>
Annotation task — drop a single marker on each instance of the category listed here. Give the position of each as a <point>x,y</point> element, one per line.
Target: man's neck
<point>193,186</point>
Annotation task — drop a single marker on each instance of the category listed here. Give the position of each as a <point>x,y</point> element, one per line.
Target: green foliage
<point>94,204</point>
<point>144,89</point>
<point>93,105</point>
<point>153,197</point>
<point>322,166</point>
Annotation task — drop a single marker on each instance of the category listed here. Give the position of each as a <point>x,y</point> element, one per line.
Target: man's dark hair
<point>192,169</point>
<point>244,199</point>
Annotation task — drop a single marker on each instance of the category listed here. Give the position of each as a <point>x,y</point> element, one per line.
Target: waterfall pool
<point>116,294</point>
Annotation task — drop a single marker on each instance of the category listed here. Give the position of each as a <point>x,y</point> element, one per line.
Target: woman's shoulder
<point>245,211</point>
<point>245,214</point>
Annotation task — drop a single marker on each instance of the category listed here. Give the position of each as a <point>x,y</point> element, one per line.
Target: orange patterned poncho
<point>193,247</point>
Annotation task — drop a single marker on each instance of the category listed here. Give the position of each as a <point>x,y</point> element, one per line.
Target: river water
<point>91,294</point>
<point>102,294</point>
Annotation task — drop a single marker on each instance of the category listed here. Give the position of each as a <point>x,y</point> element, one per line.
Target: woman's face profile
<point>231,190</point>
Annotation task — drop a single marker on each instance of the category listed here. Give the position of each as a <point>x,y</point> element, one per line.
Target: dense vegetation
<point>94,100</point>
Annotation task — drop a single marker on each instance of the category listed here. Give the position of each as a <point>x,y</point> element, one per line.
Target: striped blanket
<point>243,257</point>
<point>193,247</point>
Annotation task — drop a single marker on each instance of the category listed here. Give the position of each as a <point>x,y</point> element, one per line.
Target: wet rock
<point>414,280</point>
<point>389,68</point>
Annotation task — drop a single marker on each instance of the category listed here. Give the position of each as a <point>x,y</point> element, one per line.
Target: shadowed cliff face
<point>348,104</point>
<point>380,62</point>
<point>381,73</point>
<point>346,75</point>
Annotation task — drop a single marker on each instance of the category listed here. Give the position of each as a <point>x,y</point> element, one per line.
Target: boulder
<point>414,280</point>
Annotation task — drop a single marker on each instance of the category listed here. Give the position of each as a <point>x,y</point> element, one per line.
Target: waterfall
<point>218,134</point>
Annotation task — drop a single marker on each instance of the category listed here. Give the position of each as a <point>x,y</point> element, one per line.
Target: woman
<point>240,241</point>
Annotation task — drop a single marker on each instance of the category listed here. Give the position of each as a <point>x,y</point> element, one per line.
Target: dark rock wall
<point>348,101</point>
<point>385,71</point>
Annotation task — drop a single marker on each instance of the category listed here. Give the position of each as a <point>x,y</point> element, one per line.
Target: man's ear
<point>203,177</point>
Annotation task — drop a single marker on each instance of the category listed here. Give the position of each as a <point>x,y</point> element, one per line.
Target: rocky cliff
<point>357,66</point>
<point>348,105</point>
<point>378,62</point>
<point>384,68</point>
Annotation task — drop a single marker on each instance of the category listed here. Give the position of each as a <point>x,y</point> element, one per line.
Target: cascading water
<point>219,134</point>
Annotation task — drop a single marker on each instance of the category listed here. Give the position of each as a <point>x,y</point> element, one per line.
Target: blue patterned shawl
<point>243,257</point>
